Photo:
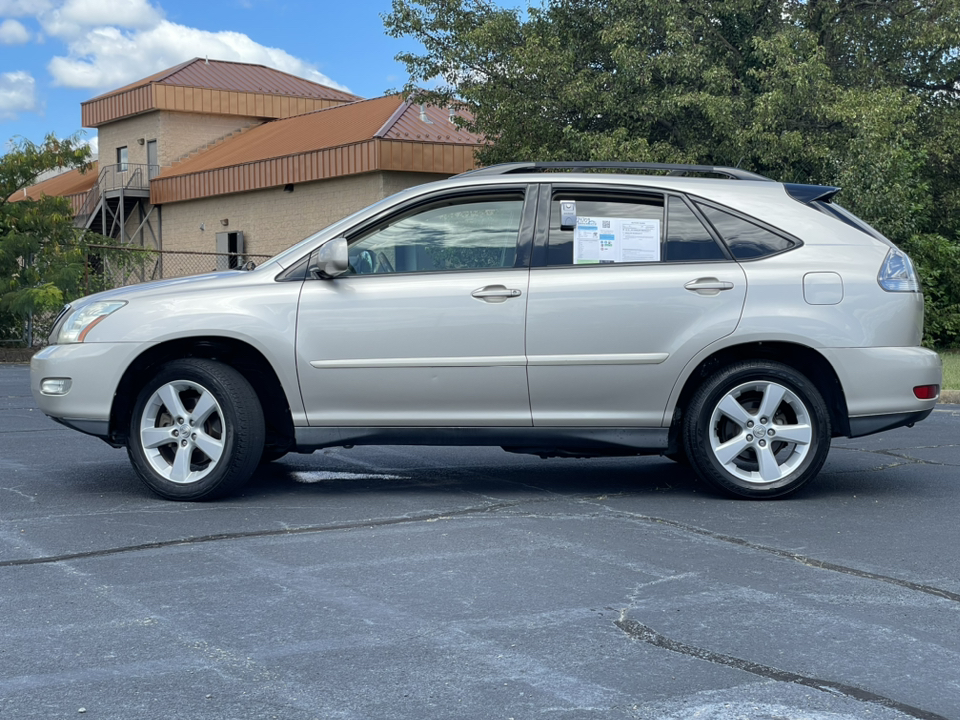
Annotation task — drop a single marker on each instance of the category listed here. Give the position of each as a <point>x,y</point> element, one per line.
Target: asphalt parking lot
<point>399,582</point>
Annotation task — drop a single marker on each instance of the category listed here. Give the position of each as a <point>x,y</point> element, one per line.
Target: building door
<point>229,250</point>
<point>153,163</point>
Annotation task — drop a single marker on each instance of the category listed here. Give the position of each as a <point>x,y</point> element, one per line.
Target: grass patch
<point>951,369</point>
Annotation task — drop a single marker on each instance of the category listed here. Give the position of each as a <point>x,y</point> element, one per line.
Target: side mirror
<point>331,259</point>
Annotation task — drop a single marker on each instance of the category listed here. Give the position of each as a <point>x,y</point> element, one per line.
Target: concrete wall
<point>177,134</point>
<point>273,220</point>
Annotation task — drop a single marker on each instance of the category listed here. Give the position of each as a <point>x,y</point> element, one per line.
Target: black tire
<point>272,454</point>
<point>780,449</point>
<point>182,457</point>
<point>679,457</point>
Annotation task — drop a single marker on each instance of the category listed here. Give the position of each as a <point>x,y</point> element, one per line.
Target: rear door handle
<point>495,293</point>
<point>708,286</point>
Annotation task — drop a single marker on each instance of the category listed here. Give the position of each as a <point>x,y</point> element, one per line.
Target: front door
<point>427,326</point>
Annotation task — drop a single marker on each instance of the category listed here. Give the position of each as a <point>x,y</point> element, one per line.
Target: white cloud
<point>18,93</point>
<point>20,8</point>
<point>94,144</point>
<point>103,58</point>
<point>72,18</point>
<point>13,32</point>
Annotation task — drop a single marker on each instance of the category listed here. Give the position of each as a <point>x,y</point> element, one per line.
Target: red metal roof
<point>236,77</point>
<point>427,123</point>
<point>68,183</point>
<point>386,117</point>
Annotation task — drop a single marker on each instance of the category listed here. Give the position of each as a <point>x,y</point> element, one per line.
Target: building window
<point>122,159</point>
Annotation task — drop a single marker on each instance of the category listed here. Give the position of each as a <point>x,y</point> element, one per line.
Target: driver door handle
<point>495,293</point>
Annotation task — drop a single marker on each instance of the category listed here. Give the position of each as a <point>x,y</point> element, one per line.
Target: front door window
<point>452,235</point>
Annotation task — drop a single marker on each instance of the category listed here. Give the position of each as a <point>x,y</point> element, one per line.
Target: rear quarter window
<point>745,240</point>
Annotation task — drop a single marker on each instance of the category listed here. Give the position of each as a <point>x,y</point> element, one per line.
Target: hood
<point>217,279</point>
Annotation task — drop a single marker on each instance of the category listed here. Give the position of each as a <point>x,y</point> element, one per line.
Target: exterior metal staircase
<point>121,194</point>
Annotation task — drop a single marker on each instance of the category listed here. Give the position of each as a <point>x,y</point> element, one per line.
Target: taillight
<point>926,392</point>
<point>897,273</point>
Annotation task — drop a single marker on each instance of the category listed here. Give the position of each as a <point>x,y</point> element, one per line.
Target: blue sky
<point>54,54</point>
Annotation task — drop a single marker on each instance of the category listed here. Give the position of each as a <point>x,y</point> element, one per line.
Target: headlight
<point>82,321</point>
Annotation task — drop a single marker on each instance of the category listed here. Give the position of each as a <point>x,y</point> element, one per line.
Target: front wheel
<point>197,430</point>
<point>757,430</point>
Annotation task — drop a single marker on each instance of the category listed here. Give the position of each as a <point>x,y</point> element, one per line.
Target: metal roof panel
<point>385,117</point>
<point>67,183</point>
<point>236,77</point>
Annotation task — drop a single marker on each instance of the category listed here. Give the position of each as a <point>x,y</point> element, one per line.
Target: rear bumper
<point>878,385</point>
<point>870,424</point>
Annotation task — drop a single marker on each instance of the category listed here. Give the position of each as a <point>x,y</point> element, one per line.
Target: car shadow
<point>314,475</point>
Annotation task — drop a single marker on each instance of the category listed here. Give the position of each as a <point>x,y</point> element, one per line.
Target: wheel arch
<point>243,357</point>
<point>801,358</point>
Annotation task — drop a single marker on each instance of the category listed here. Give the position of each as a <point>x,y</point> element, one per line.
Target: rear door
<point>619,302</point>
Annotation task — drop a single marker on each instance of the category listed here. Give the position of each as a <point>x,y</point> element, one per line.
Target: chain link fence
<point>110,266</point>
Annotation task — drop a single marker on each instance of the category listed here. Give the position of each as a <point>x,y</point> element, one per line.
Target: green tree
<point>855,93</point>
<point>42,260</point>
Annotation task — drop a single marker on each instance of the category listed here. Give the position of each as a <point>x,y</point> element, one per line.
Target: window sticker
<point>616,240</point>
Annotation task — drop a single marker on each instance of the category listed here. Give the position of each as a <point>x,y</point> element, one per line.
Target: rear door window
<point>609,228</point>
<point>687,239</point>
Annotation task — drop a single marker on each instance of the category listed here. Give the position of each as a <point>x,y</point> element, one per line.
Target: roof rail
<point>671,169</point>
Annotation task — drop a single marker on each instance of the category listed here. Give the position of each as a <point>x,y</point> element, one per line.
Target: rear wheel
<point>197,430</point>
<point>757,430</point>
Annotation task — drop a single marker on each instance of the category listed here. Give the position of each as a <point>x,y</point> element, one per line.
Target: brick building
<point>213,156</point>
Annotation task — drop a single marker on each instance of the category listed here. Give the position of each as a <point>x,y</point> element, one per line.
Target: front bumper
<point>878,385</point>
<point>94,371</point>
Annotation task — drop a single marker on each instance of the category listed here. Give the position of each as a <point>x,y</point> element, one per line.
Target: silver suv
<point>732,322</point>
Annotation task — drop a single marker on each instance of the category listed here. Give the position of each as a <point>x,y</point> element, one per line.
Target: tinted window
<point>745,240</point>
<point>608,230</point>
<point>462,234</point>
<point>687,239</point>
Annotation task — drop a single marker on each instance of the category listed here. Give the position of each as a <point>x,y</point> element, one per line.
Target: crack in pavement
<point>916,460</point>
<point>15,491</point>
<point>277,532</point>
<point>910,460</point>
<point>877,469</point>
<point>787,554</point>
<point>643,633</point>
<point>491,508</point>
